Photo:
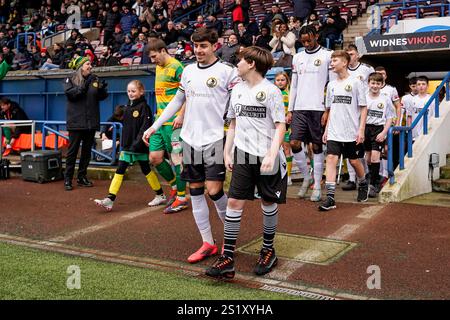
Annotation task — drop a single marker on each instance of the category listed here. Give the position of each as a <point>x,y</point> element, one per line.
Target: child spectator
<point>283,83</point>
<point>137,118</point>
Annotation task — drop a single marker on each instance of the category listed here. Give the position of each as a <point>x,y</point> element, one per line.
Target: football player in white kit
<point>205,87</point>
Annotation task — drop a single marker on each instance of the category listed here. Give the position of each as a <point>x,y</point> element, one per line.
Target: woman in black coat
<point>84,92</point>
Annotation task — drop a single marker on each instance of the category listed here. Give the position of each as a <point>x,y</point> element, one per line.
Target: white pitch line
<point>370,212</point>
<point>288,268</point>
<point>100,226</point>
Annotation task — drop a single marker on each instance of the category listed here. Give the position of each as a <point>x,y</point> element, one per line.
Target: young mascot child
<point>137,118</point>
<point>346,102</point>
<point>256,132</point>
<point>380,113</point>
<point>283,83</point>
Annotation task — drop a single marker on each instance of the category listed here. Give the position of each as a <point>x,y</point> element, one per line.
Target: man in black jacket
<point>112,19</point>
<point>303,8</point>
<point>84,92</point>
<point>107,59</point>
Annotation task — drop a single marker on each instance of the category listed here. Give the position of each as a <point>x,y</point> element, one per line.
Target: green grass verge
<point>33,274</point>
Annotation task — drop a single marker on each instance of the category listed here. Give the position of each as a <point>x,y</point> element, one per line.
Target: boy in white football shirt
<point>345,128</point>
<point>362,72</point>
<point>205,87</point>
<point>406,100</point>
<point>417,104</point>
<point>380,113</point>
<point>255,135</point>
<point>307,114</point>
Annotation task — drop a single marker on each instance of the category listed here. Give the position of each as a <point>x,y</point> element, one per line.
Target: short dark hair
<point>412,80</point>
<point>205,34</point>
<point>262,58</point>
<point>380,68</point>
<point>423,78</point>
<point>157,45</point>
<point>375,76</point>
<point>309,29</point>
<point>5,100</point>
<point>352,47</point>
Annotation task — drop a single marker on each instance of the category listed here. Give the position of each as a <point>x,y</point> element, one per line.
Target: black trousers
<point>77,137</point>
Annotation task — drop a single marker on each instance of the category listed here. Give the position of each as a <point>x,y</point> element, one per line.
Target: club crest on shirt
<point>95,84</point>
<point>348,88</point>
<point>380,105</point>
<point>360,77</point>
<point>211,82</point>
<point>261,96</point>
<point>318,62</point>
<point>136,114</point>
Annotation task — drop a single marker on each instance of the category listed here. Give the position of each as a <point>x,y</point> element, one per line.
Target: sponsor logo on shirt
<point>261,96</point>
<point>212,82</point>
<point>375,113</point>
<point>249,111</point>
<point>342,99</point>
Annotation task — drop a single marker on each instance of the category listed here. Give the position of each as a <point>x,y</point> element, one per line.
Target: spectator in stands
<point>84,92</point>
<point>303,8</point>
<point>127,50</point>
<point>147,18</point>
<point>200,22</point>
<point>10,110</point>
<point>244,37</point>
<point>67,57</point>
<point>171,35</point>
<point>107,59</point>
<point>275,10</point>
<point>4,11</point>
<point>333,25</point>
<point>55,61</point>
<point>112,20</point>
<point>283,45</point>
<point>229,51</point>
<point>35,57</point>
<point>128,20</point>
<point>178,11</point>
<point>264,38</point>
<point>214,23</point>
<point>138,7</point>
<point>237,14</point>
<point>160,7</point>
<point>185,30</point>
<point>117,39</point>
<point>313,17</point>
<point>253,27</point>
<point>74,37</point>
<point>189,57</point>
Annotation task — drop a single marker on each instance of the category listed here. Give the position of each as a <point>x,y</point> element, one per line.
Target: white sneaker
<point>106,203</point>
<point>316,195</point>
<point>159,199</point>
<point>304,188</point>
<point>289,182</point>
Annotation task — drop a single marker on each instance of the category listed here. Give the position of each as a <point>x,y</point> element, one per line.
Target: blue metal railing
<point>25,36</point>
<point>405,5</point>
<point>402,130</point>
<point>48,126</point>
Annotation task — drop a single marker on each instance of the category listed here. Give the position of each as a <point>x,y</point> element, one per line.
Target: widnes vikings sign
<point>408,41</point>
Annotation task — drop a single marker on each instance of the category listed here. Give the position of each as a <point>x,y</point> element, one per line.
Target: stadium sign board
<point>407,41</point>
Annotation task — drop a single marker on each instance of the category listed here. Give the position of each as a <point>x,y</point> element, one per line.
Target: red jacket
<point>238,14</point>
